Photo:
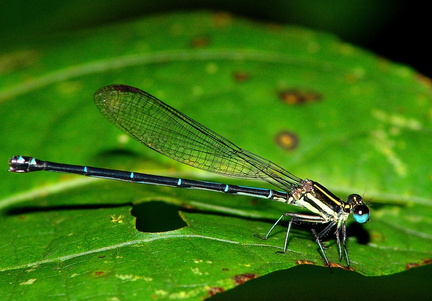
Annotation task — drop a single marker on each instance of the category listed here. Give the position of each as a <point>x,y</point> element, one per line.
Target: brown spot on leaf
<point>427,261</point>
<point>16,60</point>
<point>221,19</point>
<point>299,96</point>
<point>188,206</point>
<point>351,78</point>
<point>337,265</point>
<point>299,262</point>
<point>215,290</point>
<point>99,274</point>
<point>411,265</point>
<point>200,42</point>
<point>287,140</point>
<point>425,80</point>
<point>377,236</point>
<point>241,76</point>
<point>254,202</point>
<point>415,264</point>
<point>242,278</point>
<point>274,27</point>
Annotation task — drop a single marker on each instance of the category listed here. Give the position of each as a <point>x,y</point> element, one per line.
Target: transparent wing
<point>175,135</point>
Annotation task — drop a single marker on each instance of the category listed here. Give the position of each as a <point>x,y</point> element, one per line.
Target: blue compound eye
<point>361,214</point>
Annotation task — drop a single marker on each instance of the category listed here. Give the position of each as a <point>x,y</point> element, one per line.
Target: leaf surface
<point>321,108</point>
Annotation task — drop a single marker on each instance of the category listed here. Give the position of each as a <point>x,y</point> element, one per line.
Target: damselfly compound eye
<point>361,214</point>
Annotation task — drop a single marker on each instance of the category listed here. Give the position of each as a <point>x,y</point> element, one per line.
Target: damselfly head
<point>358,208</point>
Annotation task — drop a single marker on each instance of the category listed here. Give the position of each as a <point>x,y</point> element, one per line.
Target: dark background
<point>396,30</point>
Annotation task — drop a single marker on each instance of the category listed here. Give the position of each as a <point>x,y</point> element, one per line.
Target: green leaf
<point>323,109</point>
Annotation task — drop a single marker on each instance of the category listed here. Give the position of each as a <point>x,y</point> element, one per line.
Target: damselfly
<point>175,135</point>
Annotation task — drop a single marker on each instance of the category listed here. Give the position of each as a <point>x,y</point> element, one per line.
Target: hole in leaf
<point>157,217</point>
